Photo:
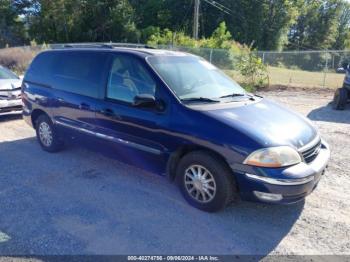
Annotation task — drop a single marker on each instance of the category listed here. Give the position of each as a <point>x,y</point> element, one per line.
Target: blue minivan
<point>178,115</point>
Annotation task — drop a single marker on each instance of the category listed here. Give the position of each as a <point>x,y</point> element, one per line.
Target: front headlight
<point>273,157</point>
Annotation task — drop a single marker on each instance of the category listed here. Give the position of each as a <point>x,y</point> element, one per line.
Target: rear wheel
<point>47,135</point>
<point>205,181</point>
<point>340,98</point>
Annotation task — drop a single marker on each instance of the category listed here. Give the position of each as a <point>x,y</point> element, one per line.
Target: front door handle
<point>84,106</point>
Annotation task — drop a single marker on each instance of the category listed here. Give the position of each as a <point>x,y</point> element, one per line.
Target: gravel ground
<point>80,202</point>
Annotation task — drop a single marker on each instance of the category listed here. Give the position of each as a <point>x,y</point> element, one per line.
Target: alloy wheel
<point>200,183</point>
<point>45,134</point>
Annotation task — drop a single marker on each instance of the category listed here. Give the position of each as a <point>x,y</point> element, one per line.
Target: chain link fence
<point>292,68</point>
<point>322,69</point>
<point>306,68</point>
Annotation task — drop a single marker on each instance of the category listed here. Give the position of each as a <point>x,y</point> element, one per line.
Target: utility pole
<point>213,3</point>
<point>196,19</point>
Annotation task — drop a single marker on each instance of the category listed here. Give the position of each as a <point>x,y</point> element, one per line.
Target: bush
<point>253,70</point>
<point>17,59</point>
<point>219,49</point>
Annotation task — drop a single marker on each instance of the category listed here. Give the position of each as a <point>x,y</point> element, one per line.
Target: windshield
<point>7,74</point>
<point>191,77</point>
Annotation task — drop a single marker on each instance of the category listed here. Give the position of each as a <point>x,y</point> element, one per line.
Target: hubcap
<point>45,134</point>
<point>200,183</point>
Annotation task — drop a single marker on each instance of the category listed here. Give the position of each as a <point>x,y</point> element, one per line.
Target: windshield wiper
<point>251,97</point>
<point>200,99</point>
<point>233,95</point>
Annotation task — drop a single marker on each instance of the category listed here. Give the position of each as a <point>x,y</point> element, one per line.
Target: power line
<point>222,6</point>
<point>219,6</point>
<point>213,3</point>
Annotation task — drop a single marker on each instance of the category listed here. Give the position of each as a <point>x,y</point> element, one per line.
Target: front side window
<point>192,77</point>
<point>128,78</point>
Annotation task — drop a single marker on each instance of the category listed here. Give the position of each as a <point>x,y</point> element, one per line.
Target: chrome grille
<point>311,153</point>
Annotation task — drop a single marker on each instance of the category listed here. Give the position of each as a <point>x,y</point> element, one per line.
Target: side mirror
<point>144,100</point>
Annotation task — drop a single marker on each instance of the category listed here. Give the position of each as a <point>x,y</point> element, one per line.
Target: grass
<point>297,78</point>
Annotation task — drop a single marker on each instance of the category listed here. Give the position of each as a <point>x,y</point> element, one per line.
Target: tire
<point>216,175</point>
<point>47,135</point>
<point>340,99</point>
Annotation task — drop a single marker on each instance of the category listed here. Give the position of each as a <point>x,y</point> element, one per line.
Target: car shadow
<point>328,114</point>
<point>80,202</point>
<point>10,117</point>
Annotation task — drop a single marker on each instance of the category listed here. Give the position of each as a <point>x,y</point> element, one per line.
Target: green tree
<point>316,26</point>
<point>12,30</point>
<point>261,23</point>
<point>83,21</point>
<point>171,14</point>
<point>278,16</point>
<point>343,30</point>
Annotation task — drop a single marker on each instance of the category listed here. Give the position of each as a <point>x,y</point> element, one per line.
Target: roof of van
<point>144,51</point>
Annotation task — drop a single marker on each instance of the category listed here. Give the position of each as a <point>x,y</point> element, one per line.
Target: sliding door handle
<point>84,106</point>
<point>107,112</point>
<point>59,99</point>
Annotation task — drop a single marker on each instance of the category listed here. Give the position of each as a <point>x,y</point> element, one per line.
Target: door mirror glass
<point>144,100</point>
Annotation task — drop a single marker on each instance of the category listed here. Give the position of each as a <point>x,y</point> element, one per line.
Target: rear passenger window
<point>79,72</point>
<point>40,70</point>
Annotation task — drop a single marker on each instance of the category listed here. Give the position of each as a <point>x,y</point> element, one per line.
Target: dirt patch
<point>282,88</point>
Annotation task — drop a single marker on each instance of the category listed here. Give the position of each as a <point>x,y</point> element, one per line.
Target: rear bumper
<point>7,106</point>
<point>283,186</point>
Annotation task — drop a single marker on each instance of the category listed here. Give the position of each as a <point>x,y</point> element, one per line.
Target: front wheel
<point>205,181</point>
<point>47,135</point>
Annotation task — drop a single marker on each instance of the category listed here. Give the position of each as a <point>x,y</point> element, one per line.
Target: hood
<point>8,84</point>
<point>268,123</point>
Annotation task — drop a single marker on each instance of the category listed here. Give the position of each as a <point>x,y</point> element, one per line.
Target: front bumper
<point>284,185</point>
<point>10,105</point>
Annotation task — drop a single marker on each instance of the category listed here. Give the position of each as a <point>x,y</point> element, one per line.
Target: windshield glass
<point>192,77</point>
<point>7,74</point>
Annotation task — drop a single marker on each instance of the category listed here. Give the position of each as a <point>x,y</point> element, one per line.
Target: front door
<point>137,133</point>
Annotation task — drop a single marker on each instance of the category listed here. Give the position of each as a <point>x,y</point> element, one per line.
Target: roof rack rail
<point>102,45</point>
<point>85,45</point>
<point>128,45</point>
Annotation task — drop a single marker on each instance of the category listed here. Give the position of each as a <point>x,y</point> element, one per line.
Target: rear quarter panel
<point>36,97</point>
